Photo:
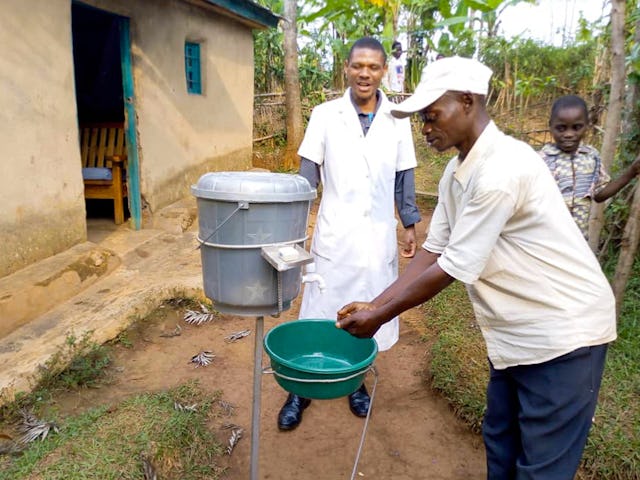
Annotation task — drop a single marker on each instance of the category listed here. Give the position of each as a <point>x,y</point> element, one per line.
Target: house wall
<point>42,208</point>
<point>182,136</point>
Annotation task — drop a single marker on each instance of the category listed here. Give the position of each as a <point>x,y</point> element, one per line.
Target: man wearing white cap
<point>544,307</point>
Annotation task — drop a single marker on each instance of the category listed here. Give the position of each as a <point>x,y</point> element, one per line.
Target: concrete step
<point>95,289</point>
<point>163,267</point>
<point>28,293</point>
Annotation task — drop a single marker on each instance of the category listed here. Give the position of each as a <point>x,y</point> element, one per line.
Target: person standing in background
<point>365,159</point>
<point>393,81</point>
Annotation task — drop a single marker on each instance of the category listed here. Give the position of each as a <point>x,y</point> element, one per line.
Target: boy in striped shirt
<point>576,167</point>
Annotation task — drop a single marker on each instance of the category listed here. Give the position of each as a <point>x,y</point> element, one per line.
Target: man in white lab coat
<point>365,160</point>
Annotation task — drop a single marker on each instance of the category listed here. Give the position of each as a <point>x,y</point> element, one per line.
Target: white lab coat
<point>354,243</point>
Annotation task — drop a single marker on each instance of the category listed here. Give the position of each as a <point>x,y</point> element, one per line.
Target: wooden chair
<point>103,151</point>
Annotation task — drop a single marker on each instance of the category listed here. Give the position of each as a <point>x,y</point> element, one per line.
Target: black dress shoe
<point>290,414</point>
<point>359,402</point>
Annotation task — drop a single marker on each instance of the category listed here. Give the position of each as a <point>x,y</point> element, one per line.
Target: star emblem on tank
<point>260,236</point>
<point>256,291</point>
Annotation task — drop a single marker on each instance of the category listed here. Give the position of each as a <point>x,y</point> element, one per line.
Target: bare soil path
<point>412,434</point>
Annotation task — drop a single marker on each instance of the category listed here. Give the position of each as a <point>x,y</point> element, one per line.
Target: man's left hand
<point>408,249</point>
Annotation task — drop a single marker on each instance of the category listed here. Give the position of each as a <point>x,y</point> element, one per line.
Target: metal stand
<point>257,392</point>
<point>273,255</point>
<point>366,423</point>
<point>334,380</point>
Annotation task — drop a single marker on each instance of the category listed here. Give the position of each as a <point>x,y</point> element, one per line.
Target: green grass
<point>458,355</point>
<point>79,363</point>
<point>613,448</point>
<point>107,442</point>
<point>459,370</point>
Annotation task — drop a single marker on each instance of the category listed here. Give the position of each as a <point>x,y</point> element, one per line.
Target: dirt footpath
<point>412,433</point>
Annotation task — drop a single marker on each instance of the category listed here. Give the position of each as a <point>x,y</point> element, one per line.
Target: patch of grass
<point>613,448</point>
<point>186,302</point>
<point>459,370</point>
<point>458,356</point>
<point>124,339</point>
<point>79,363</point>
<point>107,442</point>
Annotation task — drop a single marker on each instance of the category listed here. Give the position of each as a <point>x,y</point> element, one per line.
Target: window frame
<point>193,67</point>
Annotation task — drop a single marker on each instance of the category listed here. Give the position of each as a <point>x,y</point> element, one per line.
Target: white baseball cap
<point>450,73</point>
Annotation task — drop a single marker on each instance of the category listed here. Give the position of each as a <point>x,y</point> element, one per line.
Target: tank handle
<point>241,206</point>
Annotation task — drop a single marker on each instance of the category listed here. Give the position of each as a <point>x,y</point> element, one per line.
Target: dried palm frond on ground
<point>229,426</point>
<point>235,336</point>
<point>227,407</point>
<point>148,470</point>
<point>32,428</point>
<point>234,437</point>
<point>181,407</point>
<point>203,358</point>
<point>198,318</point>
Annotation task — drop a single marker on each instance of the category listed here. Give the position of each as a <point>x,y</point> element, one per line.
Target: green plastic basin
<point>314,359</point>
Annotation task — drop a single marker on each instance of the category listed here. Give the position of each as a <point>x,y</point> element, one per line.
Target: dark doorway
<point>96,58</point>
<point>98,80</point>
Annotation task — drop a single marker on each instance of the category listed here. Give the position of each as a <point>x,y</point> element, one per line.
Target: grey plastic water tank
<point>238,214</point>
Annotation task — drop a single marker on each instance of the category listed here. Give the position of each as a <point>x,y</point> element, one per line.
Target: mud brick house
<point>172,79</point>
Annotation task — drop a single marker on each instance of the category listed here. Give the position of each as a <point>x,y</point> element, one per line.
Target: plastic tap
<point>311,276</point>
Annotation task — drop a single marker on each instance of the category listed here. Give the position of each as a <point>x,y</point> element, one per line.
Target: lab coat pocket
<point>324,243</point>
<point>384,241</point>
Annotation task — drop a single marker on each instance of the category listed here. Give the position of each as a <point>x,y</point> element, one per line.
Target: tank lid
<point>253,187</point>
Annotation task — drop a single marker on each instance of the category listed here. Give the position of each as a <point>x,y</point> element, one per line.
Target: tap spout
<point>311,276</point>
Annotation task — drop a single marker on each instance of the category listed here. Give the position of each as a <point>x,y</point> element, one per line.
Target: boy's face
<point>568,126</point>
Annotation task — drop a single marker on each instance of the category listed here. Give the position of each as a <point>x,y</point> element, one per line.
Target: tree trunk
<point>292,87</point>
<point>614,110</point>
<point>631,234</point>
<point>629,245</point>
<point>632,114</point>
<point>337,70</point>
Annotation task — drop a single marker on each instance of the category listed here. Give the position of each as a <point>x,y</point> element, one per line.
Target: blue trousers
<point>538,416</point>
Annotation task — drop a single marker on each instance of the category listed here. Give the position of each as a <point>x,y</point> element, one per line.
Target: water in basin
<point>321,362</point>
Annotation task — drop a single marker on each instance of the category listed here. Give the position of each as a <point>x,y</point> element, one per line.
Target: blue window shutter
<point>192,67</point>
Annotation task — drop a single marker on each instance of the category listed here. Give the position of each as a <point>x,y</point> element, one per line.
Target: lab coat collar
<point>350,114</point>
<point>349,105</point>
<point>375,110</point>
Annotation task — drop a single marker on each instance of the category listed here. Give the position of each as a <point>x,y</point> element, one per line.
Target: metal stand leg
<point>257,390</point>
<point>366,423</point>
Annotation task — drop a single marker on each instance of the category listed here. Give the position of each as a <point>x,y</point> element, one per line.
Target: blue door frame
<point>131,135</point>
<point>133,164</point>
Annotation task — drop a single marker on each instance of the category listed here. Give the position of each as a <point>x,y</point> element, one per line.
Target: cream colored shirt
<point>502,228</point>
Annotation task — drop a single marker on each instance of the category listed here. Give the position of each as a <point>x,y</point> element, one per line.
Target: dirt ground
<point>412,433</point>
